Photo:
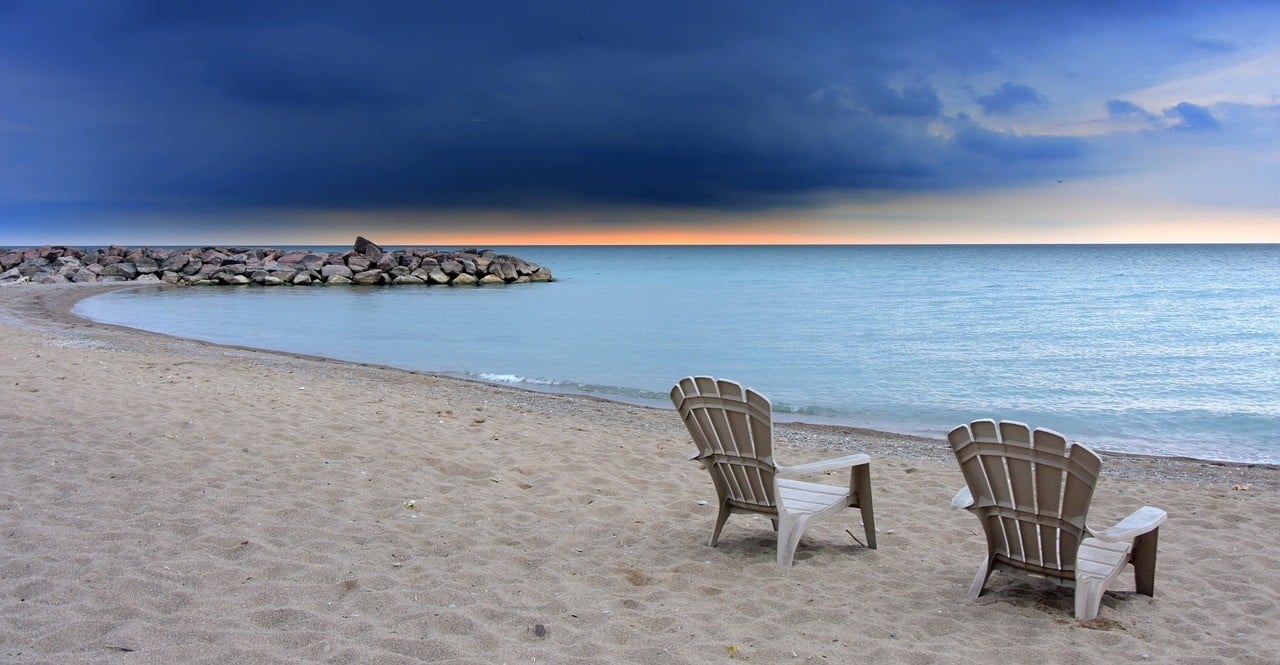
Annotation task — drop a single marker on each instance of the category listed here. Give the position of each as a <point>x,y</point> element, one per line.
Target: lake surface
<point>1169,349</point>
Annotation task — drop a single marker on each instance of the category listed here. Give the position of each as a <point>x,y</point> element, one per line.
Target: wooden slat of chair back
<point>733,429</point>
<point>1030,488</point>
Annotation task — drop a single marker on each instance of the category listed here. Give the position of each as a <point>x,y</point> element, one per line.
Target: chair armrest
<point>963,499</point>
<point>1143,520</point>
<point>848,461</point>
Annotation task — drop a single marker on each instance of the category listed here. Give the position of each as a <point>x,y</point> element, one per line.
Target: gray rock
<point>233,279</point>
<point>271,280</point>
<point>292,258</point>
<point>464,280</point>
<point>491,279</point>
<point>84,275</point>
<point>302,279</point>
<point>171,277</point>
<point>313,261</point>
<point>12,273</point>
<point>398,271</point>
<point>146,265</point>
<point>542,275</point>
<point>259,276</point>
<point>193,266</point>
<point>149,278</point>
<point>176,262</point>
<point>437,276</point>
<point>358,263</point>
<point>337,279</point>
<point>368,277</point>
<point>406,279</point>
<point>451,267</point>
<point>332,271</point>
<point>122,269</point>
<point>369,249</point>
<point>387,263</point>
<point>285,274</point>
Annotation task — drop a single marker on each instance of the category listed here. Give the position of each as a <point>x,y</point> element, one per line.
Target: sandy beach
<point>166,500</point>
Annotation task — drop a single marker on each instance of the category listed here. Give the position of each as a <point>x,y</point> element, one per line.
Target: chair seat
<point>1101,560</point>
<point>800,497</point>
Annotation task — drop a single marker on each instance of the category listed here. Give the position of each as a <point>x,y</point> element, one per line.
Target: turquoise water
<point>1167,349</point>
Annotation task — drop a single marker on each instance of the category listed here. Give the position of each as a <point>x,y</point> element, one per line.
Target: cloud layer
<point>155,106</point>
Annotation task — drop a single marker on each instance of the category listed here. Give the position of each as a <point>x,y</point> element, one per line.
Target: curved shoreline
<point>55,304</point>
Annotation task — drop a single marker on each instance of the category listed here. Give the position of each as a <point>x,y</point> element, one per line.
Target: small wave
<point>513,378</point>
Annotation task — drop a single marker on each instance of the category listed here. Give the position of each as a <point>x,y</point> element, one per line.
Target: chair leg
<point>1144,562</point>
<point>860,490</point>
<point>980,580</point>
<point>789,531</point>
<point>720,520</point>
<point>1088,597</point>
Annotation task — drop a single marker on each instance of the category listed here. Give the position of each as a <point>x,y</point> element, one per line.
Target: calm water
<point>1161,349</point>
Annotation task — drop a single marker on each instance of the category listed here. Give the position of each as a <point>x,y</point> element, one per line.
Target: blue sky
<point>153,122</point>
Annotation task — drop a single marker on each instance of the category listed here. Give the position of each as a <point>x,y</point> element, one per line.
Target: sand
<point>165,500</point>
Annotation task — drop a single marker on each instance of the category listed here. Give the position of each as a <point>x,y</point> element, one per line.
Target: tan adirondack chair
<point>1031,491</point>
<point>733,430</point>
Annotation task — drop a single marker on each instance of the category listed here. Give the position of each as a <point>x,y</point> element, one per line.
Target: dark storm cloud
<point>1192,118</point>
<point>180,106</point>
<point>1010,98</point>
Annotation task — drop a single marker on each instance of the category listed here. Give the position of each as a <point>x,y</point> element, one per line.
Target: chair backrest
<point>1031,490</point>
<point>733,429</point>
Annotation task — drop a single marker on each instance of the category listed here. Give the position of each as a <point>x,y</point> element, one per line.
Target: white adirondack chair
<point>1031,492</point>
<point>733,430</point>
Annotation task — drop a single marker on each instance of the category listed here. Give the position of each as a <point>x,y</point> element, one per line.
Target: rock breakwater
<point>365,263</point>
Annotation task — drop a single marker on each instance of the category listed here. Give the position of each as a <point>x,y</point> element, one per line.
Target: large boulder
<point>149,278</point>
<point>331,271</point>
<point>437,276</point>
<point>491,279</point>
<point>464,280</point>
<point>313,261</point>
<point>146,265</point>
<point>358,263</point>
<point>369,249</point>
<point>176,262</point>
<point>124,270</point>
<point>451,267</point>
<point>368,277</point>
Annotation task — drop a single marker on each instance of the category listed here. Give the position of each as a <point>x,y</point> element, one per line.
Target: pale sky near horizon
<point>657,122</point>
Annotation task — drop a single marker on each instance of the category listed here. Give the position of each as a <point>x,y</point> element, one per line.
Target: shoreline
<point>189,502</point>
<point>815,435</point>
<point>64,311</point>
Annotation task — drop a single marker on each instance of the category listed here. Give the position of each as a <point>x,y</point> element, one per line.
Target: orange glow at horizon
<point>625,235</point>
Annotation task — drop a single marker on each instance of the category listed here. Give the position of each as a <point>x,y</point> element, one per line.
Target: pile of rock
<point>366,263</point>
